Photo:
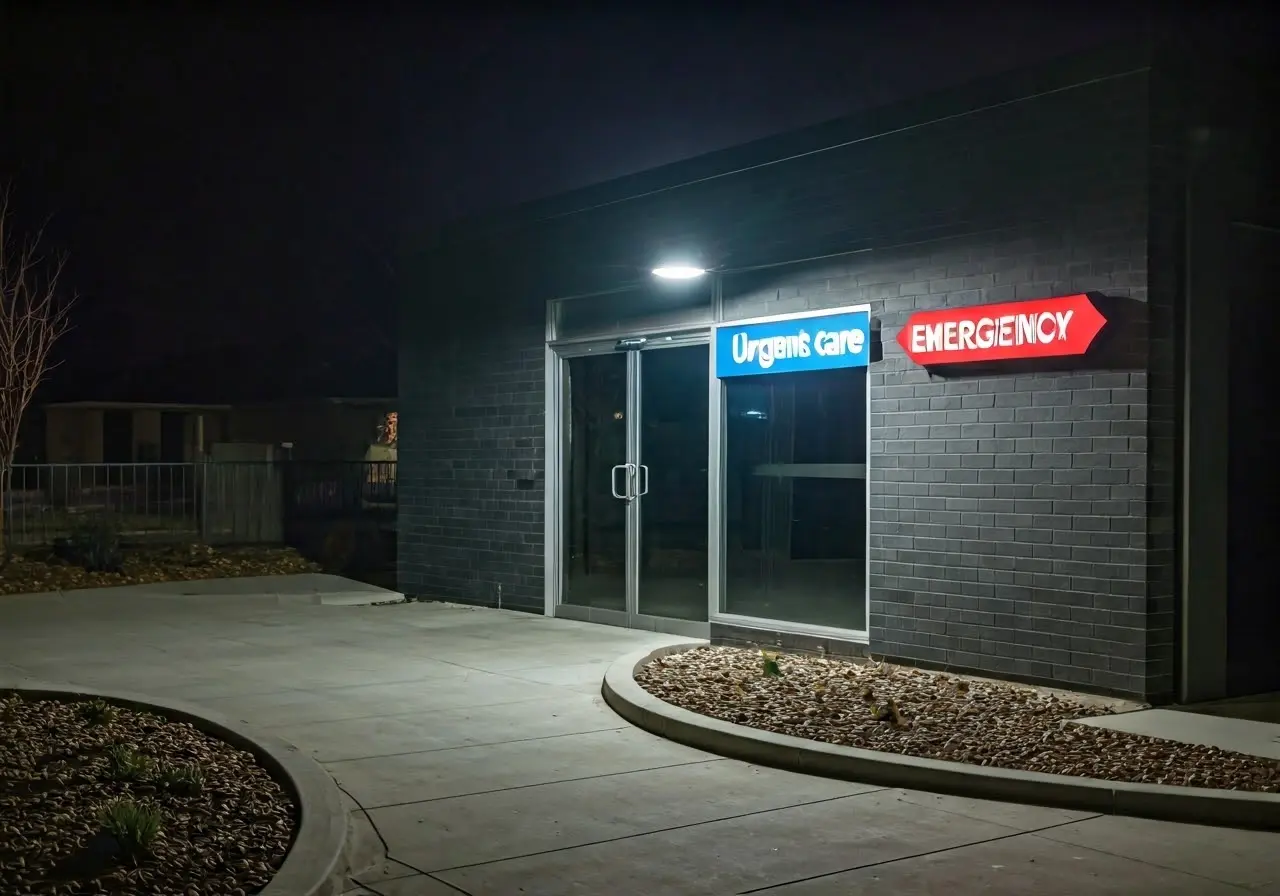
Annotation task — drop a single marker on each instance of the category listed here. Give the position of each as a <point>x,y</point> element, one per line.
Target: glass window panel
<point>595,521</point>
<point>796,497</point>
<point>660,306</point>
<point>673,513</point>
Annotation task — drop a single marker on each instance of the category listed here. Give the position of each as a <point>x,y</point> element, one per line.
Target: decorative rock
<point>895,709</point>
<point>228,846</point>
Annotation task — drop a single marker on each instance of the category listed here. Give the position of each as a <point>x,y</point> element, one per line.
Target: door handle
<point>643,481</point>
<point>628,469</point>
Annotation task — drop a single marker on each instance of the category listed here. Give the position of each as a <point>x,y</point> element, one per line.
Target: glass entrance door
<point>672,508</point>
<point>597,476</point>
<point>633,484</point>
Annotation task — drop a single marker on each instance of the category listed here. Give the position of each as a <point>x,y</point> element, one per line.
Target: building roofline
<point>363,400</point>
<point>136,406</point>
<point>1060,74</point>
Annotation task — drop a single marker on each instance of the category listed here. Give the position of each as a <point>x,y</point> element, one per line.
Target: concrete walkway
<point>1225,733</point>
<point>478,744</point>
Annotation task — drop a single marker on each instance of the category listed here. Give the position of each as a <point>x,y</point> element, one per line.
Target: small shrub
<point>133,825</point>
<point>769,664</point>
<point>127,764</point>
<point>94,545</point>
<point>96,712</point>
<point>186,779</point>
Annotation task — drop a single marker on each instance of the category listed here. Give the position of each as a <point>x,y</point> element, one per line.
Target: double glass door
<point>634,482</point>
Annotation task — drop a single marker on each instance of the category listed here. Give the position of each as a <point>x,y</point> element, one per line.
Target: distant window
<point>117,437</point>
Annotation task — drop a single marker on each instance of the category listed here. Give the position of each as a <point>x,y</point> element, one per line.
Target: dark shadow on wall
<point>1253,608</point>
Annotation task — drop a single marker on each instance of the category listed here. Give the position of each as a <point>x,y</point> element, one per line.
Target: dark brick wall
<point>1021,524</point>
<point>1008,513</point>
<point>1010,529</point>
<point>471,454</point>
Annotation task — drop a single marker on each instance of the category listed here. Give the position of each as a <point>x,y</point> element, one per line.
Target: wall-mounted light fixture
<point>678,272</point>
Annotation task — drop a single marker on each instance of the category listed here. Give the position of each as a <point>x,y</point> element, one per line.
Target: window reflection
<point>795,495</point>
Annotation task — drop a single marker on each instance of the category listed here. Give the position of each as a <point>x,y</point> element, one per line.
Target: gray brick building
<point>571,441</point>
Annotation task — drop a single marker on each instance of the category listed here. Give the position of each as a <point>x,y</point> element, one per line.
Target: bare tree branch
<point>33,317</point>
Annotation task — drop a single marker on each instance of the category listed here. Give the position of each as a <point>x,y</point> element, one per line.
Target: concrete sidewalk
<point>477,743</point>
<point>1236,735</point>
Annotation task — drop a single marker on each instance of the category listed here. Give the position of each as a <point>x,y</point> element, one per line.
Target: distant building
<point>94,432</point>
<point>168,411</point>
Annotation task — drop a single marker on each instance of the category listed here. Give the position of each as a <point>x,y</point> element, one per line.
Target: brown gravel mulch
<point>912,712</point>
<point>39,571</point>
<point>60,765</point>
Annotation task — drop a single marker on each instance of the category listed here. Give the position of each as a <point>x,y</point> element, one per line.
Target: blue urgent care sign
<point>794,345</point>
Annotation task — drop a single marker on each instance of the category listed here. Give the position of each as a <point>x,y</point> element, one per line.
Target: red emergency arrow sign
<point>1043,328</point>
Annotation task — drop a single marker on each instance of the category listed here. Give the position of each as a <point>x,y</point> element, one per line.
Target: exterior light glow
<point>678,272</point>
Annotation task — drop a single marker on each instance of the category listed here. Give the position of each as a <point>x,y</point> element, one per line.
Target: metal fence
<point>212,501</point>
<point>338,488</point>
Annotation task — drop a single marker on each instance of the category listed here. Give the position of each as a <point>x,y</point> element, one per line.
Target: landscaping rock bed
<point>96,798</point>
<point>39,571</point>
<point>896,709</point>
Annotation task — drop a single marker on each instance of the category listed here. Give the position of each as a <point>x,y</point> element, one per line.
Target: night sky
<point>223,180</point>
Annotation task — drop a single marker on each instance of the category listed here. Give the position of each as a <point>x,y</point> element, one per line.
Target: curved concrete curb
<point>1225,808</point>
<point>316,863</point>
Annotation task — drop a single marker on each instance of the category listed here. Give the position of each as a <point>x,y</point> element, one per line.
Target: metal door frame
<point>558,422</point>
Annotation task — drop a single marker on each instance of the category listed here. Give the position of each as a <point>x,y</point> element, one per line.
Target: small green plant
<point>127,764</point>
<point>186,779</point>
<point>97,712</point>
<point>769,664</point>
<point>133,825</point>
